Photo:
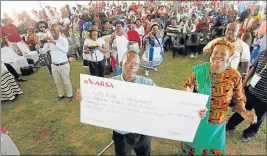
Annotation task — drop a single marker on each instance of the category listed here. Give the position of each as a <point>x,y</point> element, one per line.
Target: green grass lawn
<point>40,125</point>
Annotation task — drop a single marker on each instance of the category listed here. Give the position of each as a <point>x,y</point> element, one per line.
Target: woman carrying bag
<point>93,51</point>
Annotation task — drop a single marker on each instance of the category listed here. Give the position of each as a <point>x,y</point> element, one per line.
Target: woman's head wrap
<point>41,22</point>
<point>87,26</point>
<point>119,22</point>
<point>224,43</point>
<point>153,25</point>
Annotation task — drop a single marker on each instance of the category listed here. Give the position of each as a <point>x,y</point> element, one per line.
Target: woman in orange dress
<point>223,84</point>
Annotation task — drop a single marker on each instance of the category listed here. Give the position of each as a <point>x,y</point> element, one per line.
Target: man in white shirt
<point>182,24</point>
<point>54,17</point>
<point>59,47</point>
<point>242,52</point>
<point>189,27</point>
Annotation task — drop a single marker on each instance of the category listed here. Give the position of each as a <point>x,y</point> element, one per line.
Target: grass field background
<point>40,125</point>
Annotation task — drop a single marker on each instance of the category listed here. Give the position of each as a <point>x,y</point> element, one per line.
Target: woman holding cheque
<point>223,84</point>
<point>94,49</point>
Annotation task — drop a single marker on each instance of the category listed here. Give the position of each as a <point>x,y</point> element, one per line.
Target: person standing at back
<point>59,47</point>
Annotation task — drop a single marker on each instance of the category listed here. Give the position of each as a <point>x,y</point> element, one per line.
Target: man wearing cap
<point>43,35</point>
<point>43,32</point>
<point>58,45</point>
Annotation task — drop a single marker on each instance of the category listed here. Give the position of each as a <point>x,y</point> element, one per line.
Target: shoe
<point>245,139</point>
<point>229,129</point>
<point>196,55</point>
<point>69,99</point>
<point>60,98</point>
<point>21,80</point>
<point>165,48</point>
<point>146,72</point>
<point>155,69</point>
<point>192,56</point>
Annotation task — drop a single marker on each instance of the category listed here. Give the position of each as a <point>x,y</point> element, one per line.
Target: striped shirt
<point>172,30</point>
<point>260,90</point>
<point>139,80</point>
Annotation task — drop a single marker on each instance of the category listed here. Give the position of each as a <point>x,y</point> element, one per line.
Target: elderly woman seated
<point>74,44</point>
<point>9,56</point>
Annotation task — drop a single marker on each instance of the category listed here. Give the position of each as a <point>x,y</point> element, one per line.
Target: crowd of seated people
<point>123,22</point>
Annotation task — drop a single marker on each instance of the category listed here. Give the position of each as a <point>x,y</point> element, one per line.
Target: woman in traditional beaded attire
<point>153,49</point>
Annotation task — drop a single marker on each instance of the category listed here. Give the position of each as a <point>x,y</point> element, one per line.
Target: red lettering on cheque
<point>99,83</point>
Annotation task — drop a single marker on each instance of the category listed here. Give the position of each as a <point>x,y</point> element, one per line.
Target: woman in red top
<point>203,25</point>
<point>9,28</point>
<point>31,38</point>
<point>16,42</point>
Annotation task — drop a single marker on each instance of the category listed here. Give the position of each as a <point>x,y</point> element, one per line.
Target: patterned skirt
<point>152,57</point>
<point>9,87</point>
<point>210,139</point>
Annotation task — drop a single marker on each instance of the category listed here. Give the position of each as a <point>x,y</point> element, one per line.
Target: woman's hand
<point>244,84</point>
<point>249,115</point>
<point>188,89</point>
<point>202,113</point>
<point>78,96</point>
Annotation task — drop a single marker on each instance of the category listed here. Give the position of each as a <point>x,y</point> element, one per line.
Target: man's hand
<point>48,38</point>
<point>249,115</point>
<point>87,51</point>
<point>78,96</point>
<point>203,113</point>
<point>52,41</point>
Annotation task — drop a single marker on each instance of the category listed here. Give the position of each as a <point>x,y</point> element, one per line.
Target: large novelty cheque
<point>136,108</point>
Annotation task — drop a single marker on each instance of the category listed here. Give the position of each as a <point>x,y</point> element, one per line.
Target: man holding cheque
<point>125,142</point>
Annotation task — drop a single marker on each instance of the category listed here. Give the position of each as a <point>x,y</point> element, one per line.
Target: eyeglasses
<point>42,27</point>
<point>132,64</point>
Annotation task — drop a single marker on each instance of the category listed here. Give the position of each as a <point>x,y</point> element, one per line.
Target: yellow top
<point>258,18</point>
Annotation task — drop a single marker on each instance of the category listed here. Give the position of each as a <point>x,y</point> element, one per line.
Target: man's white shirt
<point>241,52</point>
<point>58,51</point>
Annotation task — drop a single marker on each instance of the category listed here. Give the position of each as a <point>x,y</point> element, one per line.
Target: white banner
<point>136,108</point>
